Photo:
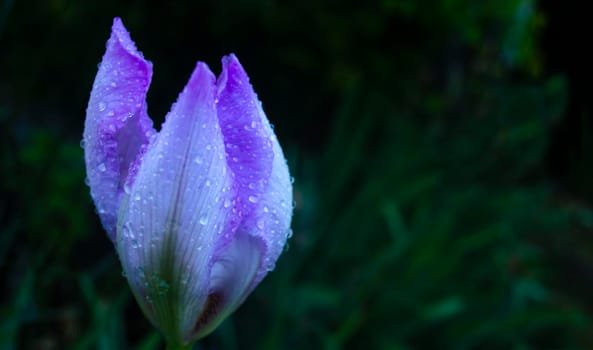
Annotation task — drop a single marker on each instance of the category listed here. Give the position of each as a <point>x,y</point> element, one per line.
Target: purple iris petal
<point>265,192</point>
<point>201,210</point>
<point>180,206</point>
<point>117,126</point>
<point>262,173</point>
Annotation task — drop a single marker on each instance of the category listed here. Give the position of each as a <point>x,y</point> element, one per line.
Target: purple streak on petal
<point>180,206</point>
<point>117,127</point>
<point>247,143</point>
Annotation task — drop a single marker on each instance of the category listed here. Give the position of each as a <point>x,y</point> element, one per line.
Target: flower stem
<point>177,346</point>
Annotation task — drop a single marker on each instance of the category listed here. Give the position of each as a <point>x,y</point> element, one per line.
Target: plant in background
<point>199,211</point>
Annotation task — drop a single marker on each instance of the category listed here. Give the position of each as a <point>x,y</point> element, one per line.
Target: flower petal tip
<point>120,34</point>
<point>201,75</point>
<point>233,70</point>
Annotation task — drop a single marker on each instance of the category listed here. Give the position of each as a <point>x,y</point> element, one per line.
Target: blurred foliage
<point>419,135</point>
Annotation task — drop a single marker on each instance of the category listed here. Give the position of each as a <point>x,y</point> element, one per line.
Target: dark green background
<point>442,151</point>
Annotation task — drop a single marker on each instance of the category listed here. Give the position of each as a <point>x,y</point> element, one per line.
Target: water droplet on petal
<point>227,203</point>
<point>252,199</point>
<point>102,167</point>
<point>203,220</point>
<point>198,160</point>
<point>102,106</point>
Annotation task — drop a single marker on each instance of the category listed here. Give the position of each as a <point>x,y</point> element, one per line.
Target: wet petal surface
<point>117,127</point>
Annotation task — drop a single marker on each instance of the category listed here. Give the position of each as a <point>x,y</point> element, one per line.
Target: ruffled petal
<point>261,170</point>
<point>264,199</point>
<point>117,127</point>
<point>180,207</point>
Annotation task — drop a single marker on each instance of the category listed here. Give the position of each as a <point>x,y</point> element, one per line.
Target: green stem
<point>171,346</point>
<point>176,345</point>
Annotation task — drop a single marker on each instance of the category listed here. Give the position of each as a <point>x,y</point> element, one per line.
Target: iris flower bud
<point>199,211</point>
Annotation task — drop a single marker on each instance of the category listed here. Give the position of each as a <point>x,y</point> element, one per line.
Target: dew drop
<point>203,220</point>
<point>208,183</point>
<point>227,203</point>
<point>260,224</point>
<point>252,199</point>
<point>102,106</point>
<point>102,167</point>
<point>82,142</point>
<point>198,160</point>
<point>163,287</point>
